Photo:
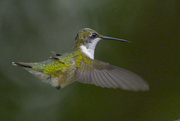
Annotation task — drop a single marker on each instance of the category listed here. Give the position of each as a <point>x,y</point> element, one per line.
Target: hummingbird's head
<point>87,39</point>
<point>86,36</point>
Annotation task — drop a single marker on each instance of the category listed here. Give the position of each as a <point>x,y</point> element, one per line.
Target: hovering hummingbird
<point>79,64</point>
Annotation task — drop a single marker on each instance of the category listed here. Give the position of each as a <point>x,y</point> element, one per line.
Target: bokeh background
<point>31,29</point>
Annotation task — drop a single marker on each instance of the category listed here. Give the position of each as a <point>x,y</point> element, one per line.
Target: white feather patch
<point>90,48</point>
<point>88,52</point>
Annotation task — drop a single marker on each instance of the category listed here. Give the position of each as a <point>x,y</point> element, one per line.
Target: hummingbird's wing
<point>105,75</point>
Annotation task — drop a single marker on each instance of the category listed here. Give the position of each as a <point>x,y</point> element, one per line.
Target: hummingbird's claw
<point>58,87</point>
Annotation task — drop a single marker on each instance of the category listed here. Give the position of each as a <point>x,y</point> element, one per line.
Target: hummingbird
<point>79,65</point>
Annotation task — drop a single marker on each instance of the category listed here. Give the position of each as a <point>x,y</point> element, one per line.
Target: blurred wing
<point>105,75</point>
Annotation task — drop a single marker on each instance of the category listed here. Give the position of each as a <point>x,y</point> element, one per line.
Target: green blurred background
<point>31,29</point>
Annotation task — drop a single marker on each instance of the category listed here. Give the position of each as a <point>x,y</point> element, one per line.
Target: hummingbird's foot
<point>58,87</point>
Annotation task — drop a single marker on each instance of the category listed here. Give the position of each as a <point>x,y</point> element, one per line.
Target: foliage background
<point>31,29</point>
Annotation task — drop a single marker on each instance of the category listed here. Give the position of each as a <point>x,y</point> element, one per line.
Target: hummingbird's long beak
<point>111,38</point>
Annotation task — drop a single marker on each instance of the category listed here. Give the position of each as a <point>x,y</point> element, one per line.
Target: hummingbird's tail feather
<point>30,67</point>
<point>25,65</point>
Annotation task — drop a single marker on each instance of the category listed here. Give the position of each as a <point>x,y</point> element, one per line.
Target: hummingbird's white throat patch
<point>89,48</point>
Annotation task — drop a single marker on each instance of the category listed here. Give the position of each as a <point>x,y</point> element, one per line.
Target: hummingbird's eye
<point>94,35</point>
